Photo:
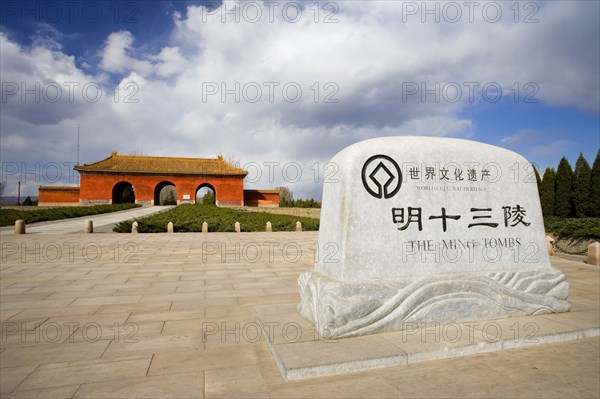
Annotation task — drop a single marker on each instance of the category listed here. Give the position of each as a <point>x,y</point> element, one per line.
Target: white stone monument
<point>427,230</point>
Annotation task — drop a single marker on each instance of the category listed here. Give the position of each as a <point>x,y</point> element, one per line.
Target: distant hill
<point>13,200</point>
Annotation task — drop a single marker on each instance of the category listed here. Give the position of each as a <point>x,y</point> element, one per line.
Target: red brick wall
<point>57,197</point>
<point>261,198</point>
<point>97,188</point>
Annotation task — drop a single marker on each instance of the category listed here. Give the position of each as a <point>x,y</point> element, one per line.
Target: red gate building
<point>108,180</point>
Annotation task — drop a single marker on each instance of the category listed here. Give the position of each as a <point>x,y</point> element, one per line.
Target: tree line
<point>567,193</point>
<point>286,200</point>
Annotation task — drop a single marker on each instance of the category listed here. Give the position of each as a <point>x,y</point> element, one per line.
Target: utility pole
<point>78,144</point>
<point>78,151</point>
<point>19,194</point>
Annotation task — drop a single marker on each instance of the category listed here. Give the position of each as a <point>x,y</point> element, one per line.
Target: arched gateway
<point>148,175</point>
<point>140,179</point>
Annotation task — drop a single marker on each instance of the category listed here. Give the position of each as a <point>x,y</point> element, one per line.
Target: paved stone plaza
<point>174,315</point>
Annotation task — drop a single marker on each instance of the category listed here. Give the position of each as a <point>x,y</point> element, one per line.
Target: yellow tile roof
<point>162,165</point>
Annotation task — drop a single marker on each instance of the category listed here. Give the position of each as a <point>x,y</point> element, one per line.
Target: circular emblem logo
<point>381,176</point>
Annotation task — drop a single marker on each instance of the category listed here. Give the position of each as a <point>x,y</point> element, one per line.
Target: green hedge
<point>189,218</point>
<point>573,227</point>
<point>8,216</point>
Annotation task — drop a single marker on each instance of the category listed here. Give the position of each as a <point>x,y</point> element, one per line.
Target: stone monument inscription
<point>417,229</point>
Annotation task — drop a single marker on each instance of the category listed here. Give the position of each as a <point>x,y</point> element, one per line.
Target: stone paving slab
<point>175,315</point>
<point>301,353</point>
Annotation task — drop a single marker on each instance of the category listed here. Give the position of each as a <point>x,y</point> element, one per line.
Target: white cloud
<point>544,147</point>
<point>556,147</point>
<point>436,126</point>
<point>547,141</point>
<point>116,55</point>
<point>170,61</point>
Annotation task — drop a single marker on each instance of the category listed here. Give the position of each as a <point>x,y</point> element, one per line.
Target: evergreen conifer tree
<point>538,180</point>
<point>594,208</point>
<point>563,200</point>
<point>581,189</point>
<point>547,192</point>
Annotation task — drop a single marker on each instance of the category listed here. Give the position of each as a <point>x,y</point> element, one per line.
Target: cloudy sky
<point>282,86</point>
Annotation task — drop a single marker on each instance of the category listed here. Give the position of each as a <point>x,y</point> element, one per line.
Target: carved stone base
<point>350,308</point>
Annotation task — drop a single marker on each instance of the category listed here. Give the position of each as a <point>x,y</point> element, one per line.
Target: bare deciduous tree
<point>285,193</point>
<point>137,153</point>
<point>231,159</point>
